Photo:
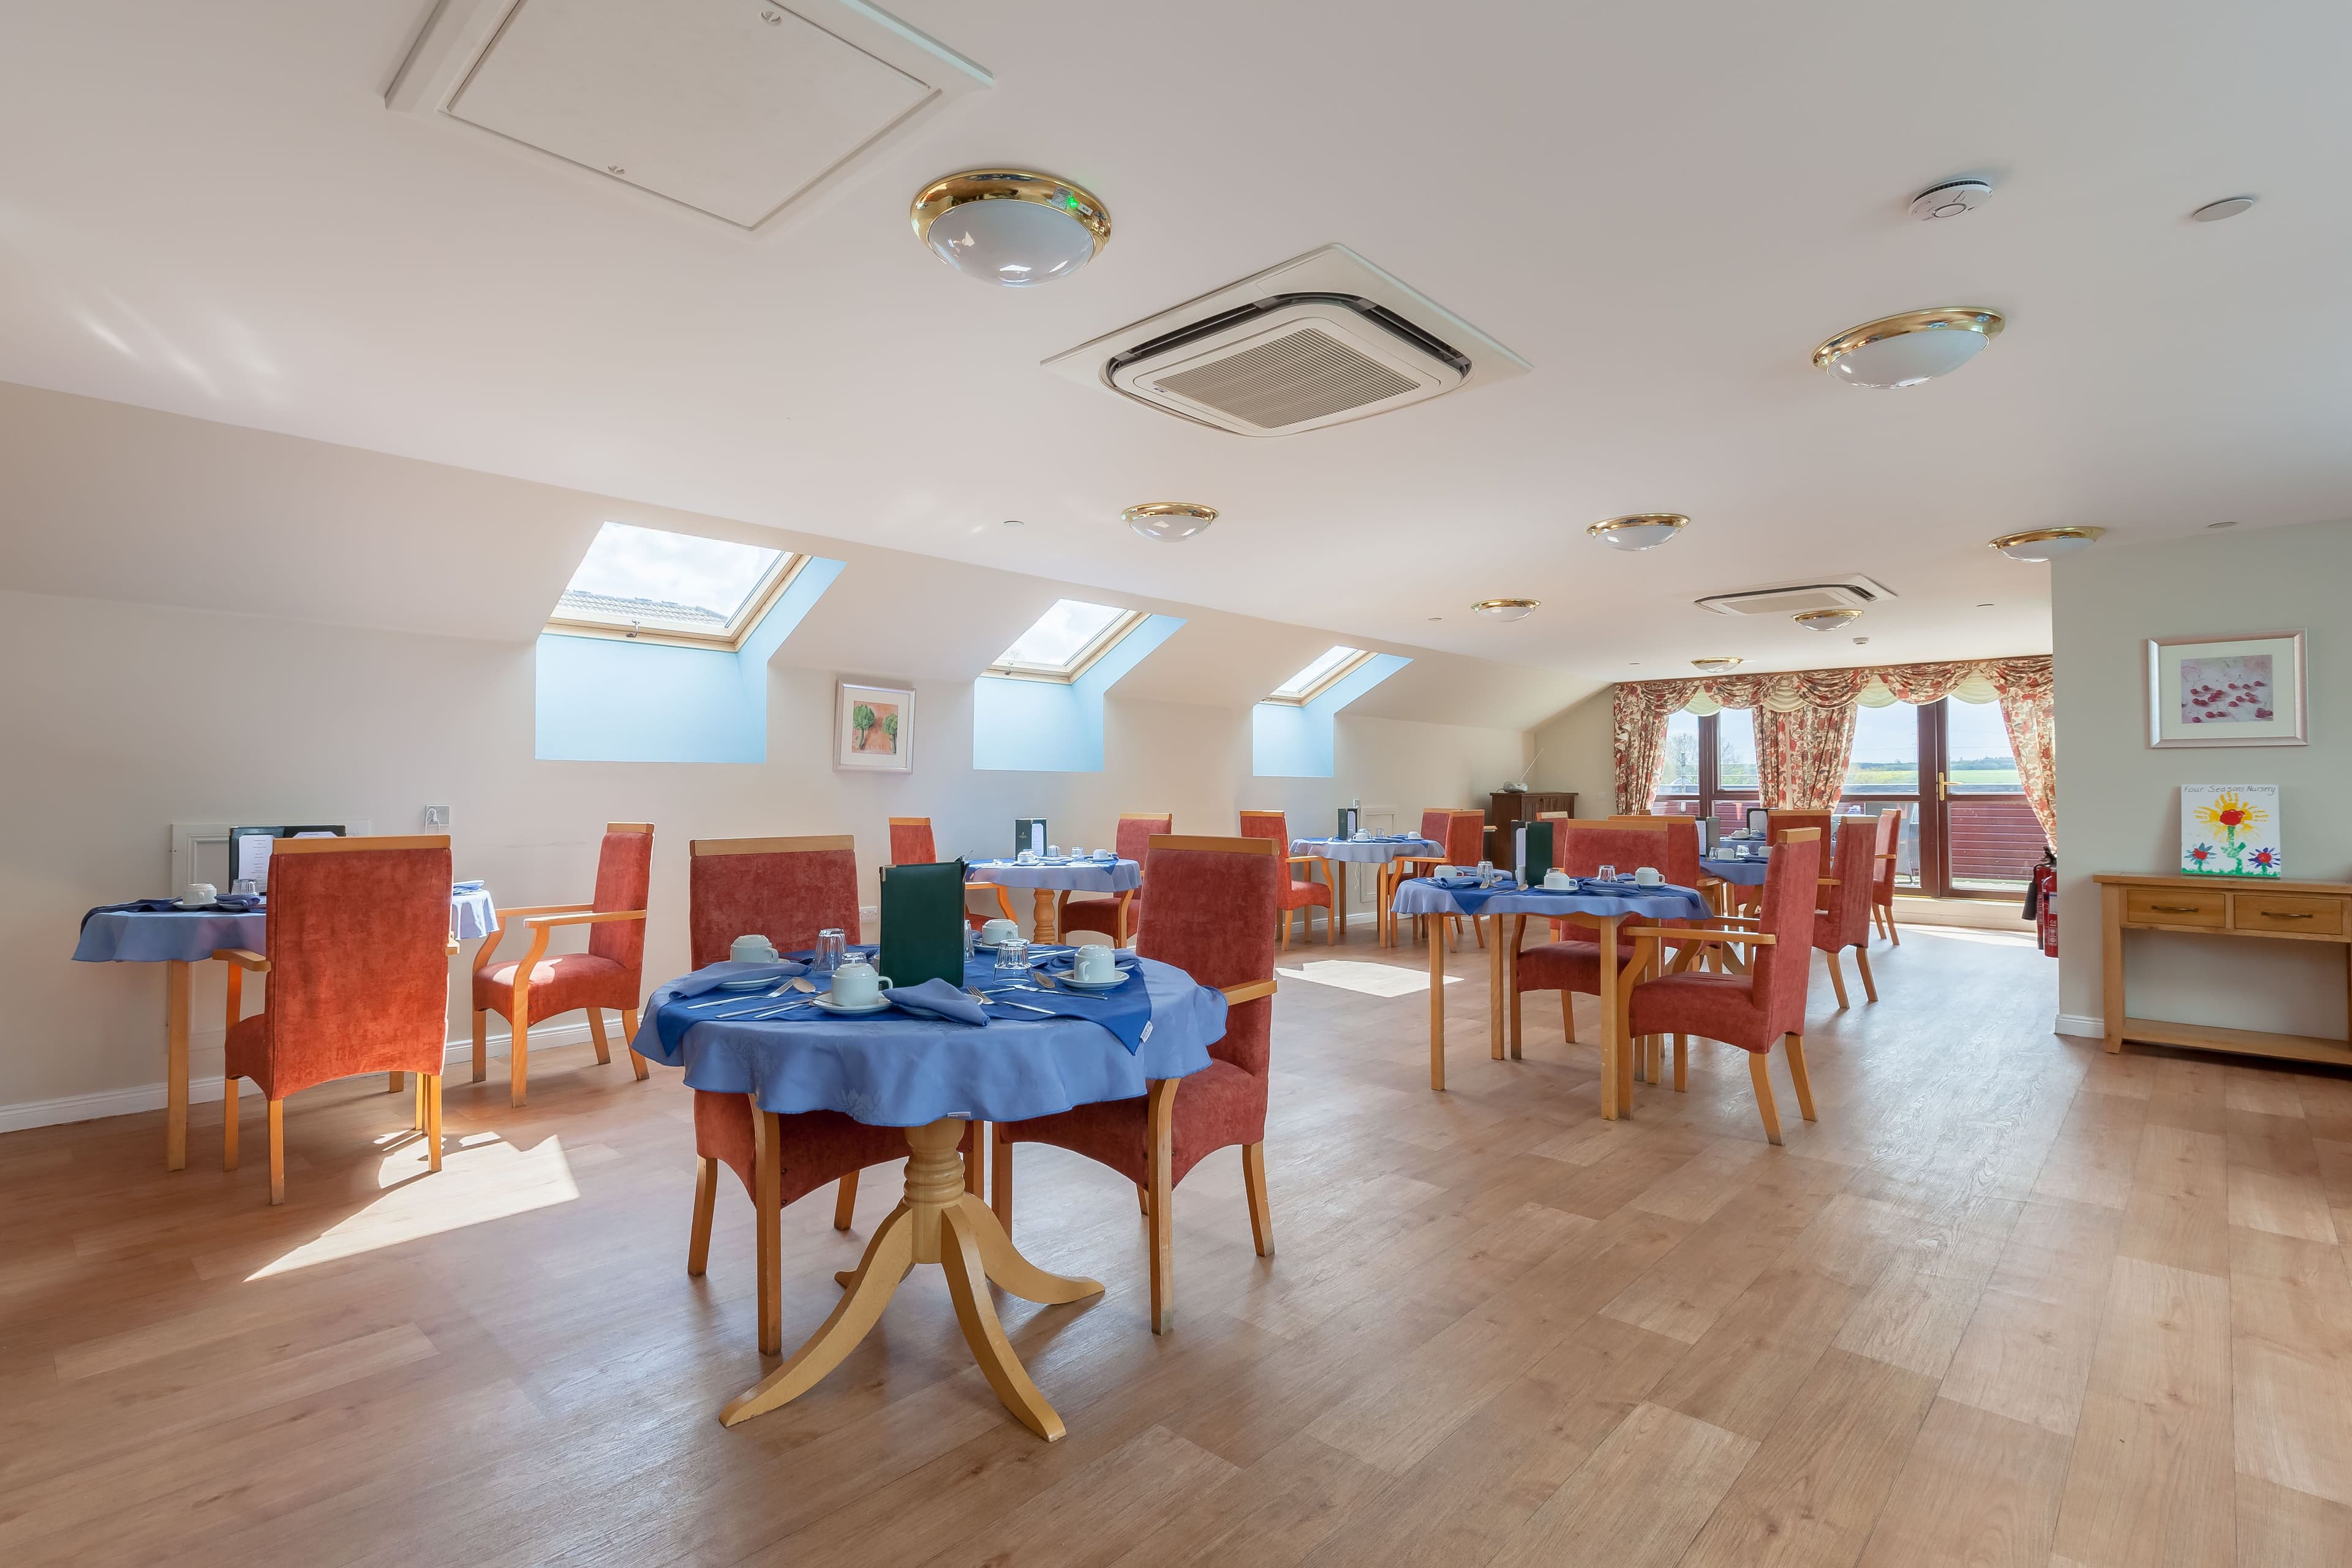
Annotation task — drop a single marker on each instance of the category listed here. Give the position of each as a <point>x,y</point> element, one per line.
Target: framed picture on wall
<point>873,728</point>
<point>2226,692</point>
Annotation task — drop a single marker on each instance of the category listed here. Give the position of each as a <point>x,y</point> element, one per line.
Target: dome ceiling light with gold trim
<point>1507,609</point>
<point>1825,620</point>
<point>1717,665</point>
<point>1905,349</point>
<point>2046,544</point>
<point>1010,226</point>
<point>1638,531</point>
<point>1168,520</point>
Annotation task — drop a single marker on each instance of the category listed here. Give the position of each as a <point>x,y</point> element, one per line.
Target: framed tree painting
<point>874,729</point>
<point>2226,692</point>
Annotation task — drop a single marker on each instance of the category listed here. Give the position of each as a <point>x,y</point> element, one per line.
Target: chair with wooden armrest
<point>610,973</point>
<point>1844,919</point>
<point>912,844</point>
<point>1202,893</point>
<point>1752,1010</point>
<point>358,980</point>
<point>1120,913</point>
<point>1434,823</point>
<point>1298,892</point>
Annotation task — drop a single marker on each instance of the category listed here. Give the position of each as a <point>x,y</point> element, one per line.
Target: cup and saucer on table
<point>856,989</point>
<point>1093,967</point>
<point>995,934</point>
<point>199,896</point>
<point>751,950</point>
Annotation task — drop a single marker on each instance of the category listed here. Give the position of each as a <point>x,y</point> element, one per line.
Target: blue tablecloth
<point>190,937</point>
<point>1742,873</point>
<point>1373,852</point>
<point>1075,876</point>
<point>893,1070</point>
<point>1424,896</point>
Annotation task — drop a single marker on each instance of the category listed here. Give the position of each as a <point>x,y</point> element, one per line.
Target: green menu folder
<point>1538,854</point>
<point>922,923</point>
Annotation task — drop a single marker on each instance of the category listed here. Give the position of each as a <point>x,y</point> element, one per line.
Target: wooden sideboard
<point>1507,808</point>
<point>2257,907</point>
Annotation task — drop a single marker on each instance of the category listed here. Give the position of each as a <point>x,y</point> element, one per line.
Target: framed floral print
<point>874,729</point>
<point>2226,692</point>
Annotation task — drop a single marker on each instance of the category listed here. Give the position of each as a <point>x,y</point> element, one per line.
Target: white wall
<point>2119,799</point>
<point>1577,749</point>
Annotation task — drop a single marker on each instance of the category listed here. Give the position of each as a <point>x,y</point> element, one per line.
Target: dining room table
<point>170,932</point>
<point>1604,905</point>
<point>1367,849</point>
<point>1004,1047</point>
<point>1049,877</point>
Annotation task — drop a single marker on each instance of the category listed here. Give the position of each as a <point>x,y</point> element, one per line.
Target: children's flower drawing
<point>2229,830</point>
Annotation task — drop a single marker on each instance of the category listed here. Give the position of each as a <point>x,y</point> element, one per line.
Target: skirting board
<point>206,1088</point>
<point>2084,1028</point>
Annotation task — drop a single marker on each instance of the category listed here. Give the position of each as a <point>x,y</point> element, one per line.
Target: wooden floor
<point>2010,1302</point>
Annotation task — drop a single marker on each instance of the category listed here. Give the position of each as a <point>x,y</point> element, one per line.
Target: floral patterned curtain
<point>1639,711</point>
<point>2028,709</point>
<point>1801,757</point>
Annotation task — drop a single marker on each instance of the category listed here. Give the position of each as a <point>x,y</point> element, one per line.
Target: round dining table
<point>1342,853</point>
<point>1053,878</point>
<point>929,1077</point>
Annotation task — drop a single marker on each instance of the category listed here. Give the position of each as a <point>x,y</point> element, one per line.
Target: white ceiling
<point>208,209</point>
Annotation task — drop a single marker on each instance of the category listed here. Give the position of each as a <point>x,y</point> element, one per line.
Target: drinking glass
<point>1485,873</point>
<point>1013,957</point>
<point>245,888</point>
<point>832,948</point>
<point>1605,873</point>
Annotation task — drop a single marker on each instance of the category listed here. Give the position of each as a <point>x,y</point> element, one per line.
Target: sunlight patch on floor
<point>484,1178</point>
<point>1364,979</point>
<point>1967,933</point>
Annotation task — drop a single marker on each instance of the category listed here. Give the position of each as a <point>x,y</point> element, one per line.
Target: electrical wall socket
<point>437,816</point>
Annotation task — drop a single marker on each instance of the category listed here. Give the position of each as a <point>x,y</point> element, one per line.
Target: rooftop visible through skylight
<point>1302,685</point>
<point>1061,636</point>
<point>668,581</point>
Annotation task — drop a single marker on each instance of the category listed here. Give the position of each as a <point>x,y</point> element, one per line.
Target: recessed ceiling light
<point>1638,531</point>
<point>2046,544</point>
<point>1721,662</point>
<point>1437,618</point>
<point>2228,206</point>
<point>1860,641</point>
<point>1825,620</point>
<point>1905,349</point>
<point>1950,199</point>
<point>1168,520</point>
<point>1506,609</point>
<point>1011,227</point>
<point>1013,522</point>
<point>2227,522</point>
<point>1986,605</point>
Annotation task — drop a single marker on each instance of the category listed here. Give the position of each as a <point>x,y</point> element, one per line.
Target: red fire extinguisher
<point>2045,883</point>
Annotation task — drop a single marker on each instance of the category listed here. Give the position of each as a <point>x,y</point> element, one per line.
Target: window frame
<point>1075,669</point>
<point>1329,678</point>
<point>762,598</point>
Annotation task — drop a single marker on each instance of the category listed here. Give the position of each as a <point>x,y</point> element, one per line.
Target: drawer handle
<point>2283,915</point>
<point>2177,909</point>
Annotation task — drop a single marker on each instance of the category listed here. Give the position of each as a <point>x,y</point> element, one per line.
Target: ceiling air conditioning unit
<point>1853,592</point>
<point>1321,340</point>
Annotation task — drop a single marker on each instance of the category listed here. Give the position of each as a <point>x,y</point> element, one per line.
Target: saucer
<point>830,1005</point>
<point>192,903</point>
<point>1069,977</point>
<point>761,982</point>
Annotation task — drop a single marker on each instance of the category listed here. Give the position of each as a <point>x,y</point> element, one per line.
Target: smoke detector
<point>1950,199</point>
<point>1323,339</point>
<point>1854,593</point>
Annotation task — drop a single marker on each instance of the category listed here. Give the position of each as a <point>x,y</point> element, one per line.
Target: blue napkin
<point>936,999</point>
<point>473,887</point>
<point>226,904</point>
<point>1125,1011</point>
<point>727,969</point>
<point>671,1020</point>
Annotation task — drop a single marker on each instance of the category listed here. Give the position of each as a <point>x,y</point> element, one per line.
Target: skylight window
<point>671,587</point>
<point>1064,640</point>
<point>1310,683</point>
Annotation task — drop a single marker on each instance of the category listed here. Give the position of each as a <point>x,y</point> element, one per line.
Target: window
<point>1319,677</point>
<point>671,587</point>
<point>1064,640</point>
<point>1679,775</point>
<point>1977,742</point>
<point>1885,758</point>
<point>1734,750</point>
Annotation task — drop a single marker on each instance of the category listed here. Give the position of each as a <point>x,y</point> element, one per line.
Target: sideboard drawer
<point>2167,907</point>
<point>2287,914</point>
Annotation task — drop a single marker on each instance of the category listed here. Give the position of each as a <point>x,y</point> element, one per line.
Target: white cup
<point>199,893</point>
<point>1094,965</point>
<point>1362,835</point>
<point>1447,871</point>
<point>753,949</point>
<point>1026,857</point>
<point>1558,881</point>
<point>997,932</point>
<point>1648,875</point>
<point>855,985</point>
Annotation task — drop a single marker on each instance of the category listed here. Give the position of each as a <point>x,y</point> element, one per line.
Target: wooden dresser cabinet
<point>1507,808</point>
<point>2258,907</point>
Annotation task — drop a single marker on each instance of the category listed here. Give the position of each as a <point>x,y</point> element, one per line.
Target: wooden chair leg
<point>705,1198</point>
<point>229,1122</point>
<point>1285,930</point>
<point>1163,1251</point>
<point>1681,1064</point>
<point>1837,980</point>
<point>517,1055</point>
<point>399,1082</point>
<point>277,1152</point>
<point>482,1044</point>
<point>1143,1199</point>
<point>596,1033</point>
<point>416,1105</point>
<point>1000,1180</point>
<point>1261,1212</point>
<point>1862,962</point>
<point>845,1201</point>
<point>637,1063</point>
<point>1568,1017</point>
<point>1893,934</point>
<point>1796,1044</point>
<point>1478,929</point>
<point>1763,1081</point>
<point>433,1123</point>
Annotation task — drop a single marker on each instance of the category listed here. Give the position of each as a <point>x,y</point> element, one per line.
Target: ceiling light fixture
<point>2226,523</point>
<point>1168,520</point>
<point>1011,227</point>
<point>1506,609</point>
<point>1013,522</point>
<point>1825,620</point>
<point>2046,544</point>
<point>1721,662</point>
<point>1950,199</point>
<point>1905,349</point>
<point>2228,206</point>
<point>1638,531</point>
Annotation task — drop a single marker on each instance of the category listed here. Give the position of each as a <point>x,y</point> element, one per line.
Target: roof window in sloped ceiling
<point>648,584</point>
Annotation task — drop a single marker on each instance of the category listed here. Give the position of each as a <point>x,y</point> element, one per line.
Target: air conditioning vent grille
<point>1854,593</point>
<point>1300,375</point>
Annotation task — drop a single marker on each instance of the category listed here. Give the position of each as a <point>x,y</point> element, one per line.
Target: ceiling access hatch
<point>732,109</point>
<point>1850,592</point>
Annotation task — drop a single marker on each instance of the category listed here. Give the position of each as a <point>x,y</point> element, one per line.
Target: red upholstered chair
<point>1886,856</point>
<point>1569,964</point>
<point>1298,892</point>
<point>1122,914</point>
<point>1464,837</point>
<point>1202,890</point>
<point>609,974</point>
<point>358,980</point>
<point>1754,1009</point>
<point>1435,823</point>
<point>786,889</point>
<point>911,844</point>
<point>1846,922</point>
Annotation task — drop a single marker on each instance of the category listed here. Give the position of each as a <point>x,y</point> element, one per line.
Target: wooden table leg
<point>1337,923</point>
<point>1043,926</point>
<point>767,1211</point>
<point>941,1222</point>
<point>1437,1009</point>
<point>2111,964</point>
<point>175,1065</point>
<point>1495,987</point>
<point>1511,984</point>
<point>1611,1019</point>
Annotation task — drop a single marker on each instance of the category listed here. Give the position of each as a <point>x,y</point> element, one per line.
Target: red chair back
<point>1464,837</point>
<point>1136,829</point>
<point>359,958</point>
<point>912,843</point>
<point>1681,864</point>
<point>786,889</point>
<point>1202,893</point>
<point>625,875</point>
<point>1779,825</point>
<point>1844,919</point>
<point>1782,971</point>
<point>1886,852</point>
<point>1435,823</point>
<point>1266,825</point>
<point>1581,850</point>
